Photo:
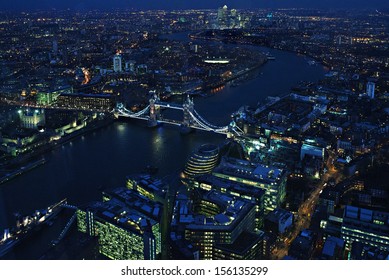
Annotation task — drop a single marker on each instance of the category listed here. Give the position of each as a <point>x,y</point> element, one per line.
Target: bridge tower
<point>188,108</point>
<point>154,111</point>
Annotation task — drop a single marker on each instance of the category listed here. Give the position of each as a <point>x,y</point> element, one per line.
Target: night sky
<point>187,4</point>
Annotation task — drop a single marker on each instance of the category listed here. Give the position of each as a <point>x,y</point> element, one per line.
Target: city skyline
<point>223,134</point>
<point>25,5</point>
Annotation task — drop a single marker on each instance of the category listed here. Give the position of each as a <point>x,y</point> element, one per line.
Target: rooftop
<point>118,213</point>
<point>152,184</point>
<point>138,202</point>
<point>233,210</point>
<point>231,186</point>
<point>244,169</point>
<point>279,215</point>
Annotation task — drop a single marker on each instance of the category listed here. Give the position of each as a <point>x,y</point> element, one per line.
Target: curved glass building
<point>202,161</point>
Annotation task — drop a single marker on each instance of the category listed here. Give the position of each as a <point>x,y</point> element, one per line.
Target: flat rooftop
<point>119,214</point>
<point>244,169</point>
<point>279,215</point>
<point>230,185</point>
<point>233,210</point>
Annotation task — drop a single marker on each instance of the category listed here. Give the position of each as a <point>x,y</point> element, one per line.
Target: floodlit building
<point>270,179</point>
<point>126,224</point>
<point>32,118</point>
<point>370,89</point>
<point>202,161</point>
<point>81,101</point>
<point>210,182</point>
<point>218,225</point>
<point>117,63</point>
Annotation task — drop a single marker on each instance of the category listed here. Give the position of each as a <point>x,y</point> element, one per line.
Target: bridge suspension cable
<point>206,125</point>
<point>199,121</point>
<point>197,116</point>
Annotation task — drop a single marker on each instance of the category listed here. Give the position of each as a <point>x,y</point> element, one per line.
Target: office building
<point>220,226</point>
<point>278,221</point>
<point>311,150</point>
<point>333,249</point>
<point>145,184</point>
<point>117,63</point>
<point>270,179</point>
<point>303,246</point>
<point>370,89</point>
<point>81,101</point>
<point>366,226</point>
<point>222,17</point>
<point>50,97</point>
<point>210,182</point>
<point>362,251</point>
<point>202,161</point>
<point>126,224</point>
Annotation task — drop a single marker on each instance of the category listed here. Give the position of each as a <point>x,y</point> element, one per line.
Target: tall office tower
<point>117,63</point>
<point>370,89</point>
<point>55,47</point>
<point>222,17</point>
<point>234,19</point>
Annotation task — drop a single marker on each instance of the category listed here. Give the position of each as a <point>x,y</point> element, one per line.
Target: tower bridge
<point>191,118</point>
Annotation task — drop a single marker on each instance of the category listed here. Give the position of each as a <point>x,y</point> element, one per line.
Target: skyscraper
<point>55,47</point>
<point>370,89</point>
<point>117,63</point>
<point>222,17</point>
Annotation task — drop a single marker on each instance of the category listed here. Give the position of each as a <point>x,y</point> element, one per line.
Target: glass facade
<point>203,161</point>
<point>119,244</point>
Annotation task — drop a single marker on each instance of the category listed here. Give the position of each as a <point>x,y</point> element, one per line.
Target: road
<point>306,210</point>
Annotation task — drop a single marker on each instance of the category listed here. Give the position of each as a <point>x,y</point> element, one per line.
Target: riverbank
<point>26,162</point>
<point>227,40</point>
<point>21,170</point>
<point>236,76</point>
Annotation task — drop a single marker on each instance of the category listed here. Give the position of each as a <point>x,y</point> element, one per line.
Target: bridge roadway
<point>197,121</point>
<point>169,105</point>
<point>178,123</point>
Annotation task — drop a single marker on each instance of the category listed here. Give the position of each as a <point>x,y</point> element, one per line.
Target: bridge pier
<point>188,108</point>
<point>154,112</point>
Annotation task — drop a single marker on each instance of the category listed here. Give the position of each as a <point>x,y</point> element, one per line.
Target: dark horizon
<point>26,5</point>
